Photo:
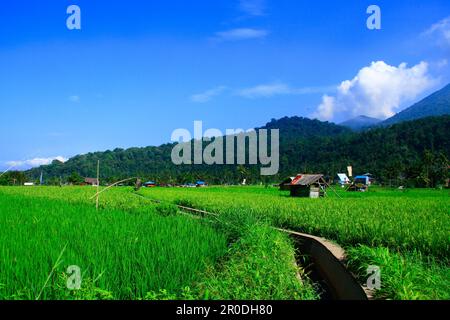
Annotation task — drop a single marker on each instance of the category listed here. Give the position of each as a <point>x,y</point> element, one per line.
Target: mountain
<point>436,104</point>
<point>360,123</point>
<point>413,152</point>
<point>302,128</point>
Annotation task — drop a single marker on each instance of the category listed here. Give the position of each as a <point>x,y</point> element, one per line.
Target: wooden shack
<point>306,185</point>
<point>284,185</point>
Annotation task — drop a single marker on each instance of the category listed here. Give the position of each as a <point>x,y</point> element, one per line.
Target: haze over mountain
<point>436,104</point>
<point>360,122</point>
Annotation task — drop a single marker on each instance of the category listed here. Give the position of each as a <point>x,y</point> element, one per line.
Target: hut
<point>306,185</point>
<point>91,182</point>
<point>361,184</point>
<point>150,184</point>
<point>201,184</point>
<point>284,185</point>
<point>343,179</point>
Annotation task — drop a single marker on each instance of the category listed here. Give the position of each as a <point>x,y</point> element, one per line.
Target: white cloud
<point>208,95</point>
<point>74,98</point>
<point>253,7</point>
<point>36,162</point>
<point>241,34</point>
<point>440,30</point>
<point>274,89</point>
<point>378,90</point>
<point>265,90</point>
<point>326,108</point>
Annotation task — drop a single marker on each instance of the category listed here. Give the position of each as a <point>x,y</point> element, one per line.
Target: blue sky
<point>137,70</point>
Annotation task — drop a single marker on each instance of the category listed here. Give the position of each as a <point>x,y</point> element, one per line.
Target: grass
<point>416,220</point>
<point>134,249</point>
<point>234,256</point>
<point>404,276</point>
<point>403,232</point>
<point>258,268</point>
<point>123,255</point>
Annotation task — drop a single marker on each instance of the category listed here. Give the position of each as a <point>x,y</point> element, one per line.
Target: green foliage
<point>127,255</point>
<point>75,178</point>
<point>135,249</point>
<point>434,105</point>
<point>259,266</point>
<point>402,220</point>
<point>404,276</point>
<point>167,209</point>
<point>405,232</point>
<point>394,155</point>
<point>11,178</point>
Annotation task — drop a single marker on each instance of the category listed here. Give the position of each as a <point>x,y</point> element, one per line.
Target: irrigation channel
<point>322,260</point>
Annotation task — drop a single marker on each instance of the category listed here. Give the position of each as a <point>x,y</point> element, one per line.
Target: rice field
<point>415,219</point>
<point>404,232</point>
<point>134,249</point>
<point>121,255</point>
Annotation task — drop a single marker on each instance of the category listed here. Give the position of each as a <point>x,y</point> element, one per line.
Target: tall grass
<point>121,255</point>
<point>260,265</point>
<point>416,220</point>
<point>404,276</point>
<point>134,249</point>
<point>405,233</point>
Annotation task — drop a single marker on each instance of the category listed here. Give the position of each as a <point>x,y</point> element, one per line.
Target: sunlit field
<point>134,248</point>
<point>405,232</point>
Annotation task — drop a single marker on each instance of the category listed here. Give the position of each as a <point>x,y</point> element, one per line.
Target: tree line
<point>413,153</point>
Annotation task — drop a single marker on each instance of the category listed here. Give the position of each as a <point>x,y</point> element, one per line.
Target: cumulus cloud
<point>253,7</point>
<point>275,89</point>
<point>378,91</point>
<point>440,30</point>
<point>36,162</point>
<point>208,95</point>
<point>241,34</point>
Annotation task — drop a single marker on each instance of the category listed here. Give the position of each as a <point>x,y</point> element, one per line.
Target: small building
<point>28,184</point>
<point>284,185</point>
<point>371,177</point>
<point>201,183</point>
<point>91,181</point>
<point>343,179</point>
<point>306,185</point>
<point>362,180</point>
<point>150,184</point>
<point>361,184</point>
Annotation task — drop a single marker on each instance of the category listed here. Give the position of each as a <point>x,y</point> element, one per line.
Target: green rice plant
<point>412,225</point>
<point>259,266</point>
<point>404,276</point>
<point>399,220</point>
<point>121,255</point>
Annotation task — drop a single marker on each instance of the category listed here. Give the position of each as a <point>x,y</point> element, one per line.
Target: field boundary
<point>327,260</point>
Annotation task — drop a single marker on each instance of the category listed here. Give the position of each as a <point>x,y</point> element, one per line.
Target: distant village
<point>299,185</point>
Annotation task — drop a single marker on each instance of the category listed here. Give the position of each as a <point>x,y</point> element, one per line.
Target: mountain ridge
<point>360,122</point>
<point>387,152</point>
<point>435,104</point>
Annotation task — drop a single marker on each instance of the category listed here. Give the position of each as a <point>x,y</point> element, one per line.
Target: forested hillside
<point>414,152</point>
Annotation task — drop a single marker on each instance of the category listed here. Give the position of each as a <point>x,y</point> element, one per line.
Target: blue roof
<point>200,182</point>
<point>150,182</point>
<point>361,177</point>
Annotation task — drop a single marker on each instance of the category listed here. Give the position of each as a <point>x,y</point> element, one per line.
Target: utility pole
<point>98,183</point>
